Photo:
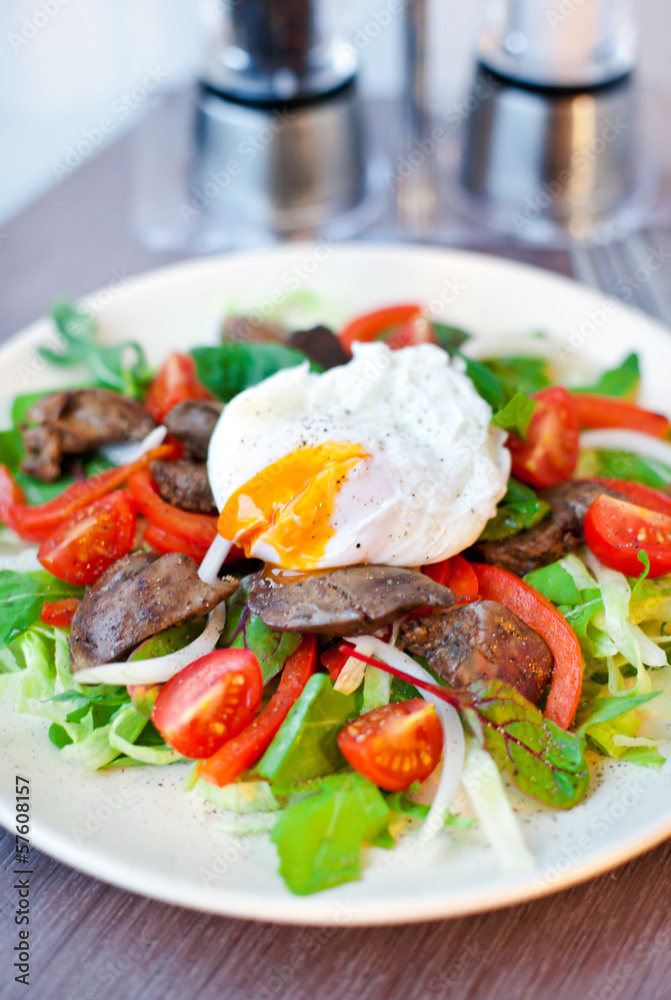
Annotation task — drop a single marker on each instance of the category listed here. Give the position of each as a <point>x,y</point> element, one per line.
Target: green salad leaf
<point>519,509</point>
<point>319,839</point>
<point>606,709</point>
<point>622,381</point>
<point>22,596</point>
<point>113,366</point>
<point>231,367</point>
<point>623,465</point>
<point>239,797</point>
<point>516,415</point>
<point>520,373</point>
<point>543,760</point>
<point>245,630</point>
<point>94,725</point>
<point>399,802</point>
<point>487,383</point>
<point>502,382</point>
<point>556,583</point>
<point>305,746</point>
<point>450,338</point>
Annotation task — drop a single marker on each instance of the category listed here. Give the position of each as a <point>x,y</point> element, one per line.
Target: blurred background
<point>66,64</point>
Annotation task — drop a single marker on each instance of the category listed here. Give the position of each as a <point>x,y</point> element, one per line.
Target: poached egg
<point>389,459</point>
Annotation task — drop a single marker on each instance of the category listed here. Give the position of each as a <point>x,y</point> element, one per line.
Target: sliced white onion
<point>614,439</point>
<point>453,734</point>
<point>214,560</point>
<point>353,672</point>
<point>25,562</point>
<point>158,669</point>
<point>130,451</point>
<point>485,789</point>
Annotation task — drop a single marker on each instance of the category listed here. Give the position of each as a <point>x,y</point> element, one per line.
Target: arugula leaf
<point>245,630</point>
<point>107,363</point>
<point>623,465</point>
<point>450,338</point>
<point>543,760</point>
<point>520,373</point>
<point>402,691</point>
<point>231,367</point>
<point>399,802</point>
<point>556,583</point>
<point>486,383</point>
<point>319,838</point>
<point>516,415</point>
<point>622,381</point>
<point>519,509</point>
<point>306,746</point>
<point>22,596</point>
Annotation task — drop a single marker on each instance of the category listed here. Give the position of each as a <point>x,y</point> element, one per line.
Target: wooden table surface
<point>609,939</point>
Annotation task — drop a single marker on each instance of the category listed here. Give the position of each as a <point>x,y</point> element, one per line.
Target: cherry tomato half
<point>84,546</point>
<point>394,745</point>
<point>247,748</point>
<point>176,382</point>
<point>209,702</point>
<point>550,453</point>
<point>637,493</point>
<point>59,613</point>
<point>616,531</point>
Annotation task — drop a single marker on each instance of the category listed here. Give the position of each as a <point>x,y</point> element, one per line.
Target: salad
<point>342,574</point>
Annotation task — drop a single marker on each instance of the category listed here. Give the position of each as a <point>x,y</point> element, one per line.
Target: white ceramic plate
<point>137,828</point>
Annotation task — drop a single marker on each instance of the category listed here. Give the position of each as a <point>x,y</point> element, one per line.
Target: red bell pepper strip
<point>539,614</point>
<point>176,382</point>
<point>197,530</point>
<point>642,496</point>
<point>438,572</point>
<point>374,324</point>
<point>59,613</point>
<point>333,660</point>
<point>34,523</point>
<point>162,542</point>
<point>462,580</point>
<point>244,750</point>
<point>607,411</point>
<point>455,573</point>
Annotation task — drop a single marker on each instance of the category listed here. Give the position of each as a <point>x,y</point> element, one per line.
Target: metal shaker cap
<point>560,43</point>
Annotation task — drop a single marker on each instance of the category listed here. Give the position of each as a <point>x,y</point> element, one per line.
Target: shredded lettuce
<point>376,689</point>
<point>93,725</point>
<point>620,635</point>
<point>241,797</point>
<point>622,627</point>
<point>486,791</point>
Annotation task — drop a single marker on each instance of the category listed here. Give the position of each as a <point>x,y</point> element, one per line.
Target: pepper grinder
<point>279,137</point>
<point>550,148</point>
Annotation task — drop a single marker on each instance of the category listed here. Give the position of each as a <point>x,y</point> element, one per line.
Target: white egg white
<point>436,470</point>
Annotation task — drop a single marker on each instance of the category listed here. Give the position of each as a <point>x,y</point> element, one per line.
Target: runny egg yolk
<point>289,504</point>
